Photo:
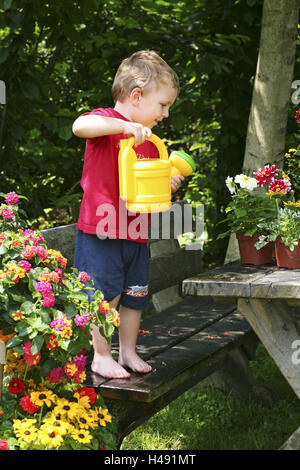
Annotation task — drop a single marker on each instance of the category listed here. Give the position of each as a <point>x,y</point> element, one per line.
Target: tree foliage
<point>58,59</point>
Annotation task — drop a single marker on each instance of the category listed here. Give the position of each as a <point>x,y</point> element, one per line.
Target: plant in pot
<point>251,209</point>
<point>285,232</point>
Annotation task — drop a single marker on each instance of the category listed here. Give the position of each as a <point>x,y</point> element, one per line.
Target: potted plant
<point>285,232</point>
<point>251,206</point>
<point>285,229</point>
<point>45,321</point>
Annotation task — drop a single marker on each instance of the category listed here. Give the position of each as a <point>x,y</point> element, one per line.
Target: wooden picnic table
<point>269,298</point>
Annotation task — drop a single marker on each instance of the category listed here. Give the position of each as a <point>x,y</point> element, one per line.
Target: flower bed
<point>45,321</point>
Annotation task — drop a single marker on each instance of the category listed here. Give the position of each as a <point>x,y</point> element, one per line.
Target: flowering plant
<point>254,200</point>
<point>287,223</point>
<point>45,320</point>
<point>286,227</point>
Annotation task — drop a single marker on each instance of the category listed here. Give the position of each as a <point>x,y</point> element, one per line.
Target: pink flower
<point>3,444</point>
<point>11,198</point>
<point>81,320</point>
<point>2,238</point>
<point>104,307</point>
<point>55,375</point>
<point>29,252</point>
<point>31,359</point>
<point>48,300</point>
<point>25,265</point>
<point>7,214</point>
<point>43,287</point>
<point>80,361</point>
<point>83,276</point>
<point>42,252</point>
<point>31,239</point>
<point>280,186</point>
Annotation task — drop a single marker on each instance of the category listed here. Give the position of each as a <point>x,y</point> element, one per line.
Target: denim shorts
<point>116,267</point>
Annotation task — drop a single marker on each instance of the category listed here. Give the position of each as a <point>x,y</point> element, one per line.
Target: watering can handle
<point>163,153</point>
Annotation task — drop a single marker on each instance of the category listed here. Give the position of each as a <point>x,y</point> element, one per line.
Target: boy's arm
<point>93,125</point>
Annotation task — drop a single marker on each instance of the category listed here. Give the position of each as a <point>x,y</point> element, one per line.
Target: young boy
<point>143,90</point>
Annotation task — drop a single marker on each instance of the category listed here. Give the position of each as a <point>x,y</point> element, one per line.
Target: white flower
<point>230,184</point>
<point>246,182</point>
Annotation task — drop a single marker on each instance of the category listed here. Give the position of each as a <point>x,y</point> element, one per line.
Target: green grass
<point>205,418</point>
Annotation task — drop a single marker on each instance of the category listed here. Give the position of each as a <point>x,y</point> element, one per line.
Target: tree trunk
<point>272,87</point>
<point>271,96</point>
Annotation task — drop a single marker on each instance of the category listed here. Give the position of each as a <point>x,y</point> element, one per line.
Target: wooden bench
<point>185,339</point>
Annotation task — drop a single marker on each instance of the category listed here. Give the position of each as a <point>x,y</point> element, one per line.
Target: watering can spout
<point>182,163</point>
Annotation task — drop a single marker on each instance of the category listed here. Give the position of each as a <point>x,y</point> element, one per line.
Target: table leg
<point>275,326</point>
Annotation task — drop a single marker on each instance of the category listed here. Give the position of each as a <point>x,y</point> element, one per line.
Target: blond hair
<point>143,69</point>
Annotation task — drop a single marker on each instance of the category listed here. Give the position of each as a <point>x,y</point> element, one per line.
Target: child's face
<point>154,105</point>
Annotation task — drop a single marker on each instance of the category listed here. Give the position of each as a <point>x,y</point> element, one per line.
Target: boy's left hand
<point>176,182</point>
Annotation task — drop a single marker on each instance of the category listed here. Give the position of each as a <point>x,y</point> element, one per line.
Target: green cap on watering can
<point>182,163</point>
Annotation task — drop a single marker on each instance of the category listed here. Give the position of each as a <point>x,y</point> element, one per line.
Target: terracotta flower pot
<point>285,258</point>
<point>250,255</point>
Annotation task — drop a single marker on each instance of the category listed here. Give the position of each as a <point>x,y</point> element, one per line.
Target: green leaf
<point>28,307</point>
<point>31,91</point>
<point>65,133</point>
<point>25,331</point>
<point>37,343</point>
<point>3,54</point>
<point>12,342</point>
<point>3,249</point>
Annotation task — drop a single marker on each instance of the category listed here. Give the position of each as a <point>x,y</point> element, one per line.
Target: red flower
<point>297,115</point>
<point>280,186</point>
<point>27,405</point>
<point>16,386</point>
<point>87,392</point>
<point>265,174</point>
<point>3,444</point>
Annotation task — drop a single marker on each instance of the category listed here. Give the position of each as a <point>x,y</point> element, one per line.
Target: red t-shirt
<point>101,210</point>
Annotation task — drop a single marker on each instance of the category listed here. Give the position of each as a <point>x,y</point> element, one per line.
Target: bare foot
<point>135,363</point>
<point>109,368</point>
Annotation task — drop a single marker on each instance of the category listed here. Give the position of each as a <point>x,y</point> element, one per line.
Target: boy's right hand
<point>138,131</point>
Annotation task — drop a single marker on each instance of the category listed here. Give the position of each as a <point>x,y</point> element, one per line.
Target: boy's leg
<point>129,328</point>
<point>103,362</point>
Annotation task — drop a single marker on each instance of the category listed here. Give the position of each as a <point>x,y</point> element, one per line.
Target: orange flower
<point>5,338</point>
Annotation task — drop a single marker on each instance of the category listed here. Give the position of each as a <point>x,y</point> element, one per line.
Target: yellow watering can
<point>145,184</point>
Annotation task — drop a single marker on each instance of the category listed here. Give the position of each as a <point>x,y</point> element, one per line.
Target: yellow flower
<point>85,421</point>
<point>62,426</point>
<point>292,204</point>
<point>292,150</point>
<point>284,175</point>
<point>67,408</point>
<point>25,430</point>
<point>82,435</point>
<point>272,193</point>
<point>41,397</point>
<point>50,436</point>
<point>116,317</point>
<point>57,425</point>
<point>18,315</point>
<point>20,272</point>
<point>83,401</point>
<point>102,416</point>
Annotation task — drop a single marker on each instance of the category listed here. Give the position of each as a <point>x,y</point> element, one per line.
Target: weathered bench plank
<point>234,280</point>
<point>171,368</point>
